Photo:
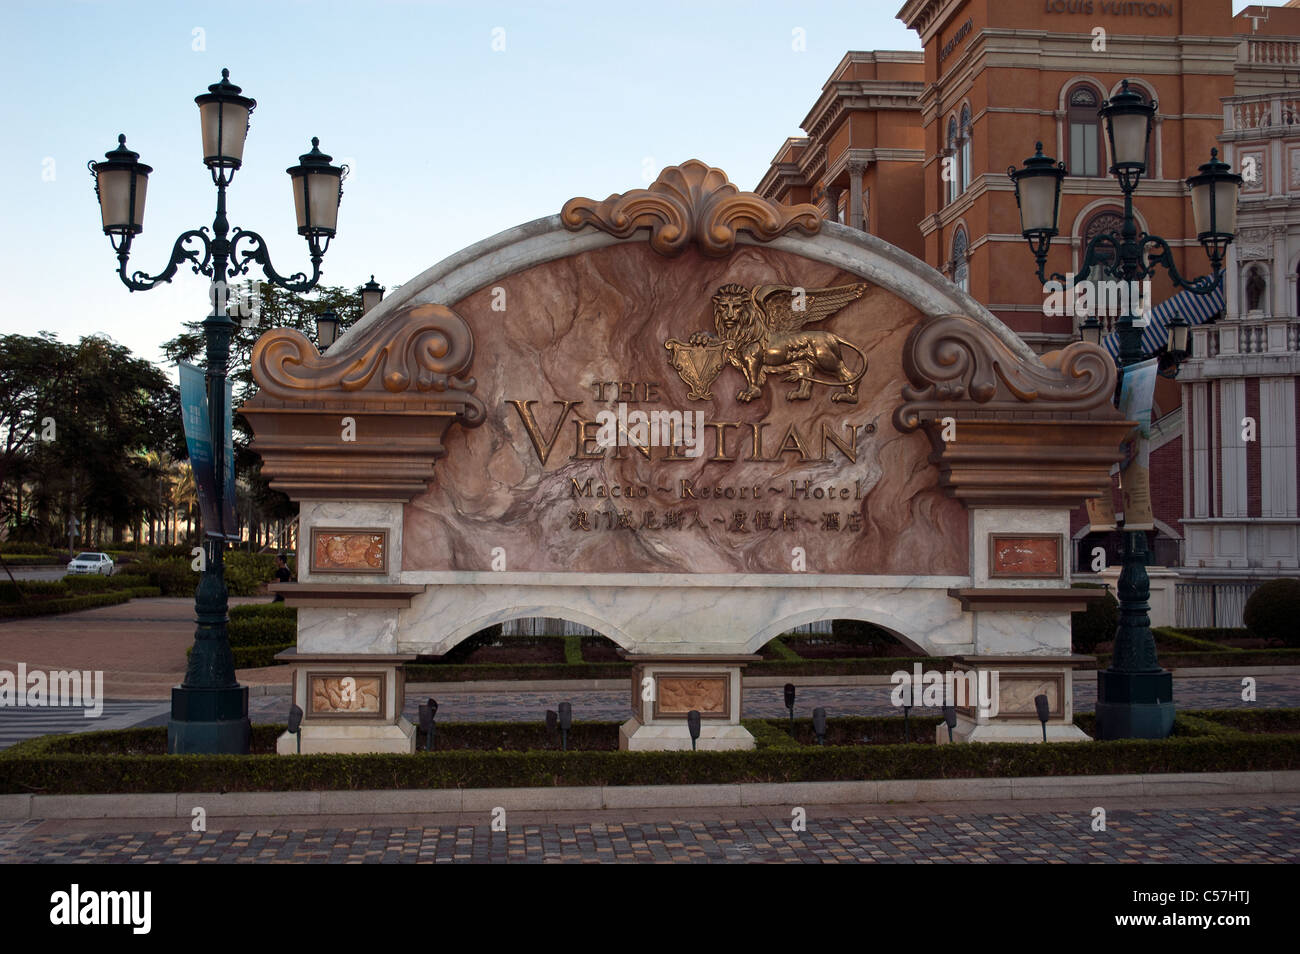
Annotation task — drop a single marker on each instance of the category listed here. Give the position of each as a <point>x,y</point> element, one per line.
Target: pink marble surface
<point>604,316</point>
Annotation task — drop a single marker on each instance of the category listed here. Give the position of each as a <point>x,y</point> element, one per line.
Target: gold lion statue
<point>762,331</point>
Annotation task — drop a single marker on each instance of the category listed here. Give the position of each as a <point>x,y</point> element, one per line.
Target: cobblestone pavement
<point>1192,829</point>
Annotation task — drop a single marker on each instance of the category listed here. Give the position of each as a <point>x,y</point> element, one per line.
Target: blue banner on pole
<point>198,439</point>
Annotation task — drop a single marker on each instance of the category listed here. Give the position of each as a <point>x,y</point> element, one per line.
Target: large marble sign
<point>690,419</point>
<point>794,446</point>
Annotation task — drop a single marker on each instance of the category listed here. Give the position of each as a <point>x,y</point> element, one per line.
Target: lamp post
<point>210,709</point>
<point>372,293</point>
<point>1134,695</point>
<point>327,329</point>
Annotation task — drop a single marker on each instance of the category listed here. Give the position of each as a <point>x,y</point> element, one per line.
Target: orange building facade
<point>915,148</point>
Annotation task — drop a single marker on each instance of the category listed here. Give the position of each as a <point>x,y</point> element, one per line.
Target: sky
<point>458,120</point>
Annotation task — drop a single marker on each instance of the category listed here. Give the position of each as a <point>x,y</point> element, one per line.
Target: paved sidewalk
<point>1189,829</point>
<point>138,645</point>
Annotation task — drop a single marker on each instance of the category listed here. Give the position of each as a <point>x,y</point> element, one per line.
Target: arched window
<point>960,269</point>
<point>950,160</point>
<point>1082,104</point>
<point>1256,289</point>
<point>1100,221</point>
<point>965,148</point>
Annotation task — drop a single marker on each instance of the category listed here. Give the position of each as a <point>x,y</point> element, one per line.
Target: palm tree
<point>186,494</point>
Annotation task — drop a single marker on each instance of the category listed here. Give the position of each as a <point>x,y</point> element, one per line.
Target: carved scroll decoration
<point>692,202</point>
<point>952,360</point>
<point>425,348</point>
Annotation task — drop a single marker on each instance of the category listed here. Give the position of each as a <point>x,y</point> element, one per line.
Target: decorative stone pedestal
<point>1019,680</point>
<point>666,688</point>
<point>349,704</point>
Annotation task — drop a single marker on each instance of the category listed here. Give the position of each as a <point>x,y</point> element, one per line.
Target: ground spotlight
<point>950,719</point>
<point>1044,711</point>
<point>566,722</point>
<point>295,724</point>
<point>907,708</point>
<point>819,725</point>
<point>693,726</point>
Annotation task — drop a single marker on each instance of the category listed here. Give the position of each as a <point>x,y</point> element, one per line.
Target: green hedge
<point>19,546</point>
<point>1250,721</point>
<point>473,672</point>
<point>1182,641</point>
<point>261,631</point>
<point>244,573</point>
<point>32,767</point>
<point>1236,658</point>
<point>1215,634</point>
<point>573,651</point>
<point>33,590</point>
<point>254,657</point>
<point>263,611</point>
<point>781,651</point>
<point>70,605</point>
<point>1273,609</point>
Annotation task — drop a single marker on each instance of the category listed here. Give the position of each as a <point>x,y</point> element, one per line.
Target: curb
<point>599,797</point>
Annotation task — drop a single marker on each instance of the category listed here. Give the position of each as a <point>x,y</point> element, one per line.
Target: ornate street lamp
<point>372,293</point>
<point>209,708</point>
<point>1134,696</point>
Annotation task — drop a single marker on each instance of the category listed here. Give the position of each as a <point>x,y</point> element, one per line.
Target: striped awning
<point>1195,309</point>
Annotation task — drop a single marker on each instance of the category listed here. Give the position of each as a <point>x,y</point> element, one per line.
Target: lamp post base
<point>1135,705</point>
<point>209,722</point>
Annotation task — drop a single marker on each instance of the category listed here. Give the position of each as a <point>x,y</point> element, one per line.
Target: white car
<point>100,563</point>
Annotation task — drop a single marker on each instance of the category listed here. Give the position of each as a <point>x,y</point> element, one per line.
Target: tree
<point>271,308</point>
<point>74,422</point>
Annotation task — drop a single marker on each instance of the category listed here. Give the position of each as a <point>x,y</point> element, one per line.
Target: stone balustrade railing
<point>1262,111</point>
<point>1269,52</point>
<point>1246,337</point>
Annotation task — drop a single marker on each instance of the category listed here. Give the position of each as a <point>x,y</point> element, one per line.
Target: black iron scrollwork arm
<point>1102,254</point>
<point>1197,286</point>
<point>241,260</point>
<point>200,259</point>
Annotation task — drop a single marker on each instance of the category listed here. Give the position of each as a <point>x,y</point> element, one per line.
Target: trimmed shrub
<point>33,590</point>
<point>1180,640</point>
<point>573,650</point>
<point>1215,634</point>
<point>31,549</point>
<point>88,583</point>
<point>257,631</point>
<point>1273,611</point>
<point>777,649</point>
<point>263,611</point>
<point>255,657</point>
<point>49,764</point>
<point>68,605</point>
<point>171,575</point>
<point>1250,721</point>
<point>247,572</point>
<point>1096,624</point>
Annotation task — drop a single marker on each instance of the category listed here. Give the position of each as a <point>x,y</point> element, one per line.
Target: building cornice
<point>927,17</point>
